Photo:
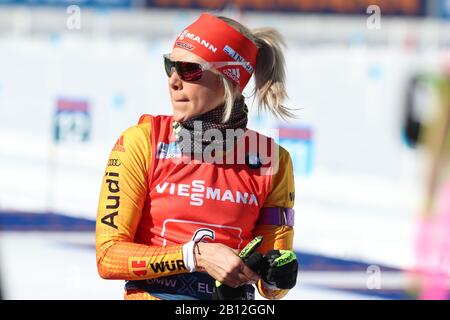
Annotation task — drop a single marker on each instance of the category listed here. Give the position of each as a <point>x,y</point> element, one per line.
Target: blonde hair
<point>270,76</point>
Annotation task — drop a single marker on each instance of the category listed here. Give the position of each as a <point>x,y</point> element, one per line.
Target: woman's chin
<point>180,116</point>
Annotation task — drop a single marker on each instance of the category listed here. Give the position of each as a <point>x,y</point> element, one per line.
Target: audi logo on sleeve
<point>114,163</point>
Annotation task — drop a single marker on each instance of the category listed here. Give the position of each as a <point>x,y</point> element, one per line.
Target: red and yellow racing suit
<point>151,204</point>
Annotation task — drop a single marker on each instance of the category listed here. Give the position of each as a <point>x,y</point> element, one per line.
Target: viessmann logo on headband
<point>194,37</point>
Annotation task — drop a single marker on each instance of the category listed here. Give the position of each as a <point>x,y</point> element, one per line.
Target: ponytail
<point>270,75</point>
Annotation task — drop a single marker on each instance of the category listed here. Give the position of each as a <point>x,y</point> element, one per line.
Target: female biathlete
<point>195,205</point>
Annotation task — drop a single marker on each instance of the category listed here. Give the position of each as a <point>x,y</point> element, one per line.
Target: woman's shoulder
<point>282,152</point>
<point>137,134</point>
<point>141,131</point>
<point>272,142</point>
<point>149,118</point>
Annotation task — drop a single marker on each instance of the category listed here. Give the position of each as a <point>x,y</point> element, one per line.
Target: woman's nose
<point>175,81</point>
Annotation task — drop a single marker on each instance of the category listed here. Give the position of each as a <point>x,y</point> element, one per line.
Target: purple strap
<point>276,216</point>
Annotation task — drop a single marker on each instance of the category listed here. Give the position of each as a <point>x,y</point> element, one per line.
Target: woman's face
<point>192,98</point>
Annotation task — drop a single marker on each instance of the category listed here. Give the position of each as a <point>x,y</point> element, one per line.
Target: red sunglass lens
<point>189,71</point>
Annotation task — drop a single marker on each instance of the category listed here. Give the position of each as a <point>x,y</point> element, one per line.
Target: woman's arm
<point>278,237</point>
<point>122,198</point>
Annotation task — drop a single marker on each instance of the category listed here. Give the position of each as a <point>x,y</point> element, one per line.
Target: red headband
<point>214,40</point>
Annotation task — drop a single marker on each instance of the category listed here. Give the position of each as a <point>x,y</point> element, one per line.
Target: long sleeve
<point>122,198</point>
<point>278,237</point>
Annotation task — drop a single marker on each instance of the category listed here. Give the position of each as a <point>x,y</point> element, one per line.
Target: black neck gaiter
<point>207,129</point>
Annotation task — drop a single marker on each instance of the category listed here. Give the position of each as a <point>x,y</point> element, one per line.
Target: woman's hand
<point>223,264</point>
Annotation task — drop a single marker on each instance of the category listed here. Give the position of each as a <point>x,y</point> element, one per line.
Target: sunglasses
<point>192,71</point>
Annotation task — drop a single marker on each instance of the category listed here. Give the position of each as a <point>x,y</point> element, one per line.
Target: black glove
<point>280,269</point>
<point>253,260</point>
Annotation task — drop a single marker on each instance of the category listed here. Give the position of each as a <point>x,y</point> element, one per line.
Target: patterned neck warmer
<point>207,129</point>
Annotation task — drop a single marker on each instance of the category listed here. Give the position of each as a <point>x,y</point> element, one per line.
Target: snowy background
<point>358,186</point>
